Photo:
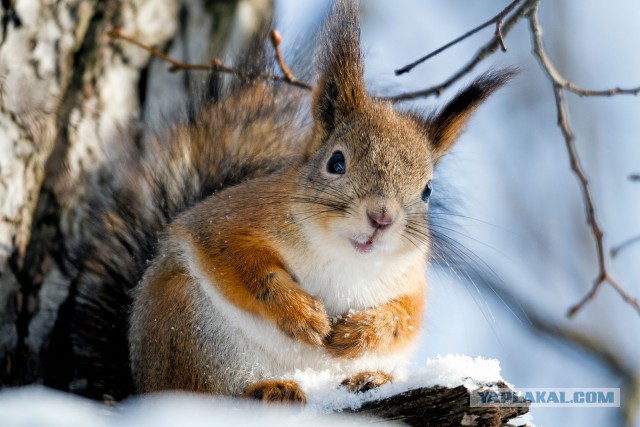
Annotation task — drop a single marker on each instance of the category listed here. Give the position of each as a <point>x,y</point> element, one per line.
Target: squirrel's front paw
<point>355,334</point>
<point>276,391</point>
<point>352,336</point>
<point>380,329</point>
<point>304,318</point>
<point>366,380</point>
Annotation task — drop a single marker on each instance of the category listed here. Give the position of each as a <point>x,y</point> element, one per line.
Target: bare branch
<point>557,77</point>
<point>276,39</point>
<point>485,51</point>
<point>617,249</point>
<point>498,35</point>
<point>591,294</point>
<point>560,84</point>
<point>216,65</point>
<point>634,177</point>
<point>607,92</point>
<point>176,65</point>
<point>542,322</point>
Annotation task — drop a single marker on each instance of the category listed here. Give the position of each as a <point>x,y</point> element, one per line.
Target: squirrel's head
<point>369,167</point>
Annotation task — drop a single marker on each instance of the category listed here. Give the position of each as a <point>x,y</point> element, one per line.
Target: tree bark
<point>440,406</point>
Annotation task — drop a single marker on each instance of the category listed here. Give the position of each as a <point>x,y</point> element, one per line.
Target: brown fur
<point>177,366</point>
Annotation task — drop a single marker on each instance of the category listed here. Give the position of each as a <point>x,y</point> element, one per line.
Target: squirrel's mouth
<point>364,248</point>
<point>364,245</point>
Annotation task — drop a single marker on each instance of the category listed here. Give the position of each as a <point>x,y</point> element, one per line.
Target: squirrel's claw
<point>366,380</point>
<point>276,391</point>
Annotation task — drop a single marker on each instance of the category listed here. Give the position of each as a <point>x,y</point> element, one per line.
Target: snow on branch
<point>437,394</point>
<point>417,400</point>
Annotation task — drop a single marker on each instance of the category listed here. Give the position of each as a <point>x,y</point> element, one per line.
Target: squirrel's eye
<point>336,163</point>
<point>426,193</point>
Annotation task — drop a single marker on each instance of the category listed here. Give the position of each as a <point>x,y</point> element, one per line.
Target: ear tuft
<point>340,89</point>
<point>446,125</point>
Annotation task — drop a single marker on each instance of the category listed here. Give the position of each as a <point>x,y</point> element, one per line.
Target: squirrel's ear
<point>446,125</point>
<point>340,88</point>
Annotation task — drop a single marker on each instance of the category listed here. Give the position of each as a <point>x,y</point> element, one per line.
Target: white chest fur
<point>262,350</point>
<point>345,279</point>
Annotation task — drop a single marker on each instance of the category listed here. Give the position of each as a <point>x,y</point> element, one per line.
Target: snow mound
<point>38,406</point>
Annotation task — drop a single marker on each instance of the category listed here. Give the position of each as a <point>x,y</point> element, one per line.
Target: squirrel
<point>269,232</point>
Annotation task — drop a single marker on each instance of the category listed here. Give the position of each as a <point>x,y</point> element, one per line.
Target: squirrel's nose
<point>380,219</point>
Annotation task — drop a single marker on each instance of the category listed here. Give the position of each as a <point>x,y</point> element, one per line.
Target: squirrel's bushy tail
<point>247,127</point>
<point>255,129</point>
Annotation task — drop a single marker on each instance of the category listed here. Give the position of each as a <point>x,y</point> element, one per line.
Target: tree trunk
<point>68,94</point>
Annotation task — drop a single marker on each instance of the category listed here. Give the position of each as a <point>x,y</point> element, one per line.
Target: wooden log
<point>440,406</point>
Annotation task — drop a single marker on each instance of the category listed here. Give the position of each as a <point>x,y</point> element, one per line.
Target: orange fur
<point>242,259</point>
<point>262,286</point>
<point>379,329</point>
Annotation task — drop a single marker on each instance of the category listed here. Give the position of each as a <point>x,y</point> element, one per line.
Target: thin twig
<point>485,51</point>
<point>176,65</point>
<point>542,322</point>
<point>561,81</point>
<point>276,39</point>
<point>616,249</point>
<point>608,92</point>
<point>498,35</point>
<point>216,65</point>
<point>560,84</point>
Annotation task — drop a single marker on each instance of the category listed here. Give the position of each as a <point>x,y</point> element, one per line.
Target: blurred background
<point>514,217</point>
<point>530,254</point>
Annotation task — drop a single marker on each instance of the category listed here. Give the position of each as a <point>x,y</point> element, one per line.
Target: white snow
<point>38,406</point>
<point>324,395</point>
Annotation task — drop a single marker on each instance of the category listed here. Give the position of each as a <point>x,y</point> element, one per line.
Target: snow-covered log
<point>437,394</point>
<point>440,406</point>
